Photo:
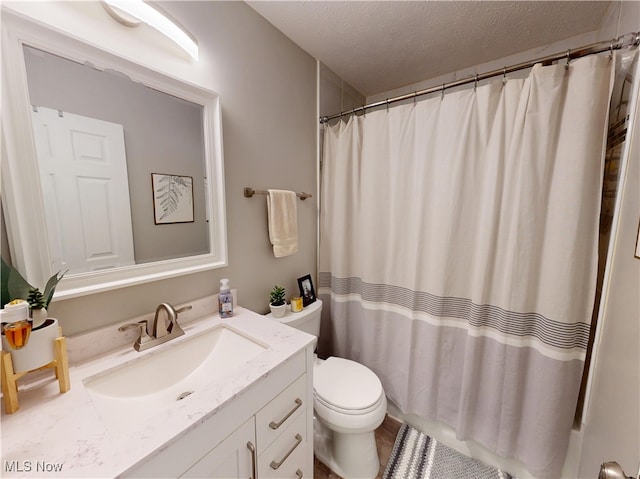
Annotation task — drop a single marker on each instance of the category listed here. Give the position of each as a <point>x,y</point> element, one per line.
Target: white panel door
<point>83,173</point>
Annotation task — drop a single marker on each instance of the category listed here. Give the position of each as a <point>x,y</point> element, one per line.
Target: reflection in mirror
<point>86,132</point>
<point>99,137</point>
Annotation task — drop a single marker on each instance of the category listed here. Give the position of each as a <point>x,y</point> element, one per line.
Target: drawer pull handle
<point>299,474</point>
<point>275,465</point>
<point>276,425</point>
<point>254,460</point>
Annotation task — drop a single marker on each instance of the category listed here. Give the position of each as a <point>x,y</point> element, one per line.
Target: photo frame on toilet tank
<point>308,293</point>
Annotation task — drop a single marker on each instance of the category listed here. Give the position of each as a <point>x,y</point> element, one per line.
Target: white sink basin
<point>134,392</point>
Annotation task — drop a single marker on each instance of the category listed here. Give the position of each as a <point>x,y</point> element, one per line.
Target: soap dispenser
<point>225,299</point>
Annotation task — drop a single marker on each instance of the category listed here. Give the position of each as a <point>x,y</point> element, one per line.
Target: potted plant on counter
<point>14,286</point>
<point>277,303</point>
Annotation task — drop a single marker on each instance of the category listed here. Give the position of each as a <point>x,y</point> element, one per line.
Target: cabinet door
<point>232,458</point>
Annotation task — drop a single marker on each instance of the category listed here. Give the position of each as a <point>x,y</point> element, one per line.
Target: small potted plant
<point>277,303</point>
<point>14,286</point>
<point>15,290</point>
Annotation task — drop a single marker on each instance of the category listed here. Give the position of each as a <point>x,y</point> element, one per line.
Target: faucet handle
<point>144,336</point>
<point>184,308</point>
<point>140,324</point>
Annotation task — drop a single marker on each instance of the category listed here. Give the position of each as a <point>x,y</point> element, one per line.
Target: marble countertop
<point>63,435</point>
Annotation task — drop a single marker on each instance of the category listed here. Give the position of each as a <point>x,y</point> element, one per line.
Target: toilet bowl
<point>349,404</point>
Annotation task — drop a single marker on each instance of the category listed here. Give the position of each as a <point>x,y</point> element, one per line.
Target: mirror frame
<point>21,193</point>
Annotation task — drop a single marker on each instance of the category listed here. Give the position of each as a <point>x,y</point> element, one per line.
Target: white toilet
<point>349,404</point>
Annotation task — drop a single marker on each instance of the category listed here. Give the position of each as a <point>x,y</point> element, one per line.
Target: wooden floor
<point>385,438</point>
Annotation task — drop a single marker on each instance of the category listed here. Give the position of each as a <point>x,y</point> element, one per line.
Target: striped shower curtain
<point>458,253</point>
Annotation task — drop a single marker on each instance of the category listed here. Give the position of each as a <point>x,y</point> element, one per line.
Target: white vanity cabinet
<point>265,432</point>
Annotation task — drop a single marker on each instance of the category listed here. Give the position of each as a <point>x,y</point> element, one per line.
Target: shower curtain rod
<point>627,40</point>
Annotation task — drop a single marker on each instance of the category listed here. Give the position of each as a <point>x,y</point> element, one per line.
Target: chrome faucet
<point>148,339</point>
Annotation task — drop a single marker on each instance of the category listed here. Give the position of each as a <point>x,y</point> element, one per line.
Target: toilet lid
<point>346,384</point>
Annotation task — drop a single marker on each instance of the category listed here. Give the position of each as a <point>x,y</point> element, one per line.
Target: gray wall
<point>267,86</point>
<point>163,134</point>
<point>336,95</point>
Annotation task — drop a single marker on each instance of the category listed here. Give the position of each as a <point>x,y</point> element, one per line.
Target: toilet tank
<point>307,320</point>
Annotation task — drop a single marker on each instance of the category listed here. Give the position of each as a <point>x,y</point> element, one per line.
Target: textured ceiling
<point>377,46</point>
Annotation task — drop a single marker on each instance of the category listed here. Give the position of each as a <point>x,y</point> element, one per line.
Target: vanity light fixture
<point>132,12</point>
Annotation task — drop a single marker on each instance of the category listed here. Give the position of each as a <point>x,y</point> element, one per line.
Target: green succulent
<point>276,297</point>
<point>35,299</point>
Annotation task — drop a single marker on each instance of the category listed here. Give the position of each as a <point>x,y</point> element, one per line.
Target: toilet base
<point>351,456</point>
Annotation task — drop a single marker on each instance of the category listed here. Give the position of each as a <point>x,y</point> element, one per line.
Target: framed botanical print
<point>172,198</point>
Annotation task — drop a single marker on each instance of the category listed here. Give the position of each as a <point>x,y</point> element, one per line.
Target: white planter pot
<point>278,311</point>
<point>38,351</point>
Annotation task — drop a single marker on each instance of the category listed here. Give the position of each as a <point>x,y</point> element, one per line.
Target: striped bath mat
<point>418,456</point>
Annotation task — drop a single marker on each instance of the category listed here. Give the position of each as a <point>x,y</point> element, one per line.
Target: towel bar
<point>249,192</point>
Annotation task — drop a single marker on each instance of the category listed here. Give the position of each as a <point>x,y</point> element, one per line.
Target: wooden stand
<point>10,378</point>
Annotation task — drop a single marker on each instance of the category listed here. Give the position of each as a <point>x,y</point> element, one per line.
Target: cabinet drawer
<point>281,411</point>
<point>286,457</point>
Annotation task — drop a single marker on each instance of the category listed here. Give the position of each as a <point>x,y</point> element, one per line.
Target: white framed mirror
<point>71,114</point>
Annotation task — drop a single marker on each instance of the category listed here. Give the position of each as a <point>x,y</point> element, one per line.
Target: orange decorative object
<point>17,333</point>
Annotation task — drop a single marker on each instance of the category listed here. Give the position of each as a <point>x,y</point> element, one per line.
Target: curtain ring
<point>475,86</point>
<point>568,59</point>
<point>611,50</point>
<point>504,75</point>
<point>387,105</point>
<point>442,96</point>
<point>415,95</point>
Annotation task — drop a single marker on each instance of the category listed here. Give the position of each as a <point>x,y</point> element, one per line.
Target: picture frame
<point>172,198</point>
<point>305,284</point>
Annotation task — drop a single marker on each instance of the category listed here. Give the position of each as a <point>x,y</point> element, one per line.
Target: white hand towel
<point>283,222</point>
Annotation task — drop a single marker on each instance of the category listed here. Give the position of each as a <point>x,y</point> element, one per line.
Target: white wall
<point>267,86</point>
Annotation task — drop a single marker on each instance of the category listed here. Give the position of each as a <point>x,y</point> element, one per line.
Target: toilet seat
<point>347,387</point>
<point>350,412</point>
